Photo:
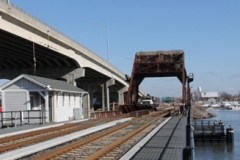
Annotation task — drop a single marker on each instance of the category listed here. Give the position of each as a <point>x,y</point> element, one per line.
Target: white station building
<point>60,100</point>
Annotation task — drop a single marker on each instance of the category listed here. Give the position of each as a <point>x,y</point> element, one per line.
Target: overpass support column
<point>103,97</point>
<point>121,92</point>
<point>92,90</point>
<point>109,83</point>
<point>105,92</point>
<point>86,106</point>
<point>73,75</point>
<point>81,107</point>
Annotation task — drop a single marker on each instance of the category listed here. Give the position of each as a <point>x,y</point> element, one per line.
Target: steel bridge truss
<point>156,64</point>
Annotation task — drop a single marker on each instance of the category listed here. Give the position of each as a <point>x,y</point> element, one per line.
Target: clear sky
<point>208,31</point>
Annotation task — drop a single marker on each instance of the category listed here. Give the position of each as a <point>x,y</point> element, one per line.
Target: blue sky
<point>207,31</point>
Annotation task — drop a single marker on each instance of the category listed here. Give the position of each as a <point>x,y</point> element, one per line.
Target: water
<point>221,150</point>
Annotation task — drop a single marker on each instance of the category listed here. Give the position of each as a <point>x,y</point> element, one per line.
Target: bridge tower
<point>156,64</point>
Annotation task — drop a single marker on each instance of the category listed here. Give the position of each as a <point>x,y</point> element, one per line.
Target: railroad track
<point>26,139</point>
<point>108,144</point>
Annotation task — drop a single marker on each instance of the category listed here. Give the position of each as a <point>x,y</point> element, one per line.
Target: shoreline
<point>201,113</point>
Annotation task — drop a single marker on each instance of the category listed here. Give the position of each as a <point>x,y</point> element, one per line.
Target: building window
<point>57,100</point>
<point>69,100</point>
<point>74,99</point>
<point>63,98</point>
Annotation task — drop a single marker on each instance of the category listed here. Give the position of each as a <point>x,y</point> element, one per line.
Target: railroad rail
<point>10,146</point>
<point>26,139</point>
<point>107,139</point>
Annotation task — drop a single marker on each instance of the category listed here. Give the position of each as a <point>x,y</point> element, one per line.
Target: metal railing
<point>192,143</point>
<point>189,151</point>
<point>15,118</point>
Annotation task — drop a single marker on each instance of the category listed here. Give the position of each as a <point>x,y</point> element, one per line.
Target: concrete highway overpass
<point>30,46</point>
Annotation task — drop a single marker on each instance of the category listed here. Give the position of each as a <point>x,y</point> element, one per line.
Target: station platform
<point>6,132</point>
<point>165,142</point>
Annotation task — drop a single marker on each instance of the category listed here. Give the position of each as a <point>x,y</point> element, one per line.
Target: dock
<point>209,130</point>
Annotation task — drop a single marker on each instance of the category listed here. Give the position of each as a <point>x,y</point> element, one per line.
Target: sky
<point>207,31</point>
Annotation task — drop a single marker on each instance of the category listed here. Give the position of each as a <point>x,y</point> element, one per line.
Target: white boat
<point>226,104</point>
<point>234,107</point>
<point>205,105</point>
<point>214,105</point>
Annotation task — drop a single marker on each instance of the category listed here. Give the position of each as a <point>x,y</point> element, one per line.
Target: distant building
<point>199,89</point>
<point>209,95</point>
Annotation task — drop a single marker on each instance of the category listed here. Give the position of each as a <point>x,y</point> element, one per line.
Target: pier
<point>211,130</point>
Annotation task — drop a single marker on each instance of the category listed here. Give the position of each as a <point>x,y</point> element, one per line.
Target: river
<point>222,150</point>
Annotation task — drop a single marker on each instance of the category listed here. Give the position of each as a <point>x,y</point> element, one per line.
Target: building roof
<point>50,84</point>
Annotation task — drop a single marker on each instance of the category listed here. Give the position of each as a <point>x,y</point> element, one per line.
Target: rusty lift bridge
<point>156,64</point>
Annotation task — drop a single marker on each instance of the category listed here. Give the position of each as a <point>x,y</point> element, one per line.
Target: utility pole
<point>171,94</point>
<point>34,60</point>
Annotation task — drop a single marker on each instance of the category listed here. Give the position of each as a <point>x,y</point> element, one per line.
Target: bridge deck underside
<point>17,54</point>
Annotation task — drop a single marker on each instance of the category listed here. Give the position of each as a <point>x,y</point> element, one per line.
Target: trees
<point>224,96</point>
<point>237,97</point>
<point>196,96</point>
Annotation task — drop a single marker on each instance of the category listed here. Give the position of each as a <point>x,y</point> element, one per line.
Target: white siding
<point>64,114</point>
<point>60,101</point>
<point>71,100</point>
<point>66,100</point>
<point>16,101</point>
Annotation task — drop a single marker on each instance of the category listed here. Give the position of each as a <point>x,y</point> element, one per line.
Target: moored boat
<point>234,107</point>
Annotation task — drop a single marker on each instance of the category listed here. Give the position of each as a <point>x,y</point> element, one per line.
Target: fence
<point>189,151</point>
<point>15,118</point>
<point>106,114</point>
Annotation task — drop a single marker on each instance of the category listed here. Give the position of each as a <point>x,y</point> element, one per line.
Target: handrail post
<point>43,117</point>
<point>2,119</point>
<point>28,118</point>
<point>15,119</point>
<point>12,117</point>
<point>20,117</point>
<point>40,118</point>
